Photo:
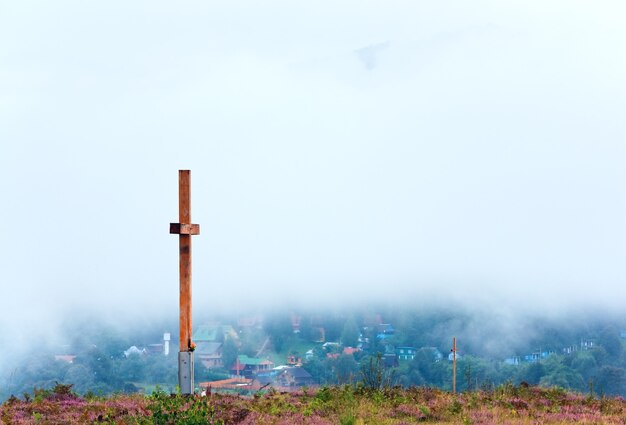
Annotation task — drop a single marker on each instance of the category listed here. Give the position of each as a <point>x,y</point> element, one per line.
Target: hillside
<point>334,348</point>
<point>329,405</point>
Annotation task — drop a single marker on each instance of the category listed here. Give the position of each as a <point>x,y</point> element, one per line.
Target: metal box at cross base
<point>185,372</point>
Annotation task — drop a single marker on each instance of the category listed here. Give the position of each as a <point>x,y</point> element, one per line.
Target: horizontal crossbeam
<point>184,229</point>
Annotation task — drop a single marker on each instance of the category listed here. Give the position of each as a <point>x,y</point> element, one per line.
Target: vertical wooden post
<point>184,216</point>
<point>184,229</point>
<point>454,365</point>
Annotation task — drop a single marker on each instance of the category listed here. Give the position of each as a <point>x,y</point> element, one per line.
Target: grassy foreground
<point>335,405</point>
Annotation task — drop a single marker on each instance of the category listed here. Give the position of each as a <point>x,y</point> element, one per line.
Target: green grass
<point>293,344</point>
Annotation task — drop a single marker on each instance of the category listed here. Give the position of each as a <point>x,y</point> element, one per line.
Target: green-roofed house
<point>208,333</point>
<point>214,333</point>
<point>247,366</point>
<point>209,339</point>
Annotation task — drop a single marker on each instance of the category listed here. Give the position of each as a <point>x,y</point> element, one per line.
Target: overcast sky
<point>379,148</point>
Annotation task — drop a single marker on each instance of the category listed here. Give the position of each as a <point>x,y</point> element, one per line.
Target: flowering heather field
<point>337,405</point>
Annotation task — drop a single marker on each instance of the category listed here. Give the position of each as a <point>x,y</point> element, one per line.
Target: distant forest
<point>586,353</point>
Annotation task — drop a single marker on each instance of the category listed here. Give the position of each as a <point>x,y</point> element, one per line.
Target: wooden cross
<point>185,230</point>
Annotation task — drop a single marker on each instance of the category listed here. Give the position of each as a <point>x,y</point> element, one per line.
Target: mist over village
<point>312,213</point>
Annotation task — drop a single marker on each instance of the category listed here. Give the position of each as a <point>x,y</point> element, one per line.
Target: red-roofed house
<point>350,350</point>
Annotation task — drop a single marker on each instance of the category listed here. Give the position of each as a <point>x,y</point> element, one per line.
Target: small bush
<point>181,409</point>
<point>375,376</point>
<point>348,419</point>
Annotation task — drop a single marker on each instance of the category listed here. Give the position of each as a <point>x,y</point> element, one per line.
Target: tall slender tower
<point>166,343</point>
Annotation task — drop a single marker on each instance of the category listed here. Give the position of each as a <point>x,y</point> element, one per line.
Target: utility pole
<point>453,365</point>
<point>185,230</point>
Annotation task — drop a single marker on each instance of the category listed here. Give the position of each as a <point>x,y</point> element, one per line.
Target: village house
<point>209,339</point>
<point>134,351</point>
<point>214,332</point>
<point>210,354</point>
<point>67,358</point>
<point>331,346</point>
<point>294,360</point>
<point>406,353</point>
<point>349,351</point>
<point>384,331</point>
<point>294,377</point>
<point>248,366</point>
<point>452,356</point>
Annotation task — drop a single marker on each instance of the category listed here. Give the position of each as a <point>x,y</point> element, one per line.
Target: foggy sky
<point>364,150</point>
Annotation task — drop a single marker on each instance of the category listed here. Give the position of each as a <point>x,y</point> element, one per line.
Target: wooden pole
<point>184,216</point>
<point>454,365</point>
<point>184,229</point>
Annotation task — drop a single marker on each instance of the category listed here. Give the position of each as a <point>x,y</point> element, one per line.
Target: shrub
<point>375,376</point>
